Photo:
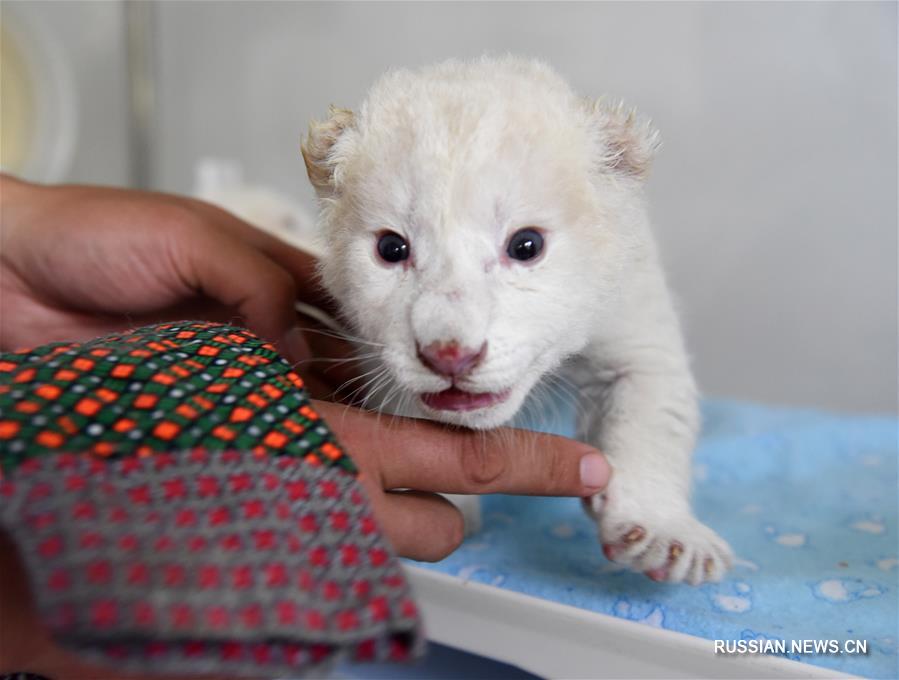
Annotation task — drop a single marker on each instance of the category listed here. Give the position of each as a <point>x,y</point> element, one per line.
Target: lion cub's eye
<point>392,247</point>
<point>525,244</point>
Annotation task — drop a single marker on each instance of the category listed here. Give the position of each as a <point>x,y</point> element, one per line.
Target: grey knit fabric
<point>205,561</point>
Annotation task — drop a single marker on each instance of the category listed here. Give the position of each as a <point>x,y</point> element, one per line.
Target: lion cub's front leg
<point>642,413</point>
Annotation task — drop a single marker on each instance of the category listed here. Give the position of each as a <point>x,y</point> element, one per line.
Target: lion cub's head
<point>477,217</point>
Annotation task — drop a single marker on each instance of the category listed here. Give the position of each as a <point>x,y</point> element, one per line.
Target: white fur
<point>457,157</point>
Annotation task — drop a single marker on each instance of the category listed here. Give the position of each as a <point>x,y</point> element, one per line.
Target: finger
<point>302,266</point>
<point>423,455</point>
<point>315,385</point>
<point>244,279</point>
<point>421,526</point>
<point>334,360</point>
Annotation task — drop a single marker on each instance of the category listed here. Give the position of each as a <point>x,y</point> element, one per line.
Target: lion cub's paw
<point>669,547</point>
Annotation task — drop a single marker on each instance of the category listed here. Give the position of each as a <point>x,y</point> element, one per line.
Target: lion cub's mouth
<point>454,399</point>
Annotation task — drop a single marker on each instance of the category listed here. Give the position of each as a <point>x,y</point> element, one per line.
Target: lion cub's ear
<point>318,148</point>
<point>628,142</point>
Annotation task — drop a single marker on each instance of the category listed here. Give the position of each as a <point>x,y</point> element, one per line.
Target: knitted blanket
<point>179,505</point>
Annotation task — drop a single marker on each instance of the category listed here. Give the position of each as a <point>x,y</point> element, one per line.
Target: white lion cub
<point>483,225</point>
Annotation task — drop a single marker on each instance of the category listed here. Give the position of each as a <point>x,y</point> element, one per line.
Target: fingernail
<point>595,471</point>
<point>295,345</point>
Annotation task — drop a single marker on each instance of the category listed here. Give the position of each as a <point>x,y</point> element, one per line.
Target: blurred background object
<point>38,102</point>
<point>774,197</point>
<point>73,84</point>
<point>221,182</point>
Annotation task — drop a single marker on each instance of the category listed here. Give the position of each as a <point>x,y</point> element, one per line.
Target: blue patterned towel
<point>808,501</point>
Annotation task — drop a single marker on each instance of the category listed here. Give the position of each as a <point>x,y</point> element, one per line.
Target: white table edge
<point>553,640</point>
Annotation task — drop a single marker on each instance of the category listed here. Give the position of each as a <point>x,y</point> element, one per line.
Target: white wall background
<point>775,196</point>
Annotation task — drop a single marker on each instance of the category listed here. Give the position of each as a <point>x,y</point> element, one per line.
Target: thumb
<point>240,277</point>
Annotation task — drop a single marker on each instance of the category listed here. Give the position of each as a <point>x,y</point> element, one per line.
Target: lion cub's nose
<point>450,359</point>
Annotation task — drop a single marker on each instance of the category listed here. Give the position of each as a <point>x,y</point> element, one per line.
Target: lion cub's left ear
<point>628,142</point>
<point>319,149</point>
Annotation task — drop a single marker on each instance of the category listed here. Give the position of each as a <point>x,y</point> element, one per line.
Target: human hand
<point>78,262</point>
<point>426,458</point>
